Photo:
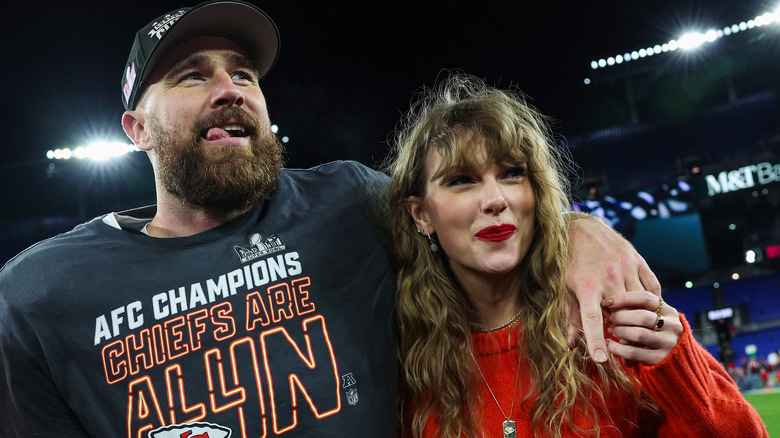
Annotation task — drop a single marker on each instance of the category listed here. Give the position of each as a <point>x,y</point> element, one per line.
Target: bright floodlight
<point>763,20</point>
<point>102,150</point>
<point>97,151</point>
<point>690,41</point>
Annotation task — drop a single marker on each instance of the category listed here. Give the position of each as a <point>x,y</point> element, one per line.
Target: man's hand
<point>601,264</point>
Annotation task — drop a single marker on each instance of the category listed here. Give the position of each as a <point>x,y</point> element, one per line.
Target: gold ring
<point>659,322</point>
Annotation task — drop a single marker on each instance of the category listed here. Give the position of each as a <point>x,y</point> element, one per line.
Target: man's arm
<point>602,263</point>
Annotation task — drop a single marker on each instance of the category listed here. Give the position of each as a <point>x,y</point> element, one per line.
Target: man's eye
<point>192,76</point>
<point>244,76</point>
<point>459,180</point>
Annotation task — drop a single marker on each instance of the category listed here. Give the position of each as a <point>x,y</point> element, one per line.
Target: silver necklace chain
<point>484,330</point>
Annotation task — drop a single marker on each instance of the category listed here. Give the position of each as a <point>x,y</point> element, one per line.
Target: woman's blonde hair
<point>435,317</point>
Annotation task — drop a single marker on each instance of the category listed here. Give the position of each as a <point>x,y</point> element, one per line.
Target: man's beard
<point>218,178</point>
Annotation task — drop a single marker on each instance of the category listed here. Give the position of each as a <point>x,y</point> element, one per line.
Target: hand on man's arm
<point>602,263</point>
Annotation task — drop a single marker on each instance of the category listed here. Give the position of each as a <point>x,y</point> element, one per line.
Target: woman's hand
<point>648,328</point>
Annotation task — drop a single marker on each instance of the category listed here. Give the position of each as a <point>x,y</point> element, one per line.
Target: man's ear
<point>133,122</point>
<point>419,214</point>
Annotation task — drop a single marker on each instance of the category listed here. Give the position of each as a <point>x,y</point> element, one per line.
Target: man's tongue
<point>216,134</point>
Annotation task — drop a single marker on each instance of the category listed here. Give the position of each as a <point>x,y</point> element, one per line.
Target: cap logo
<point>129,81</point>
<point>160,27</point>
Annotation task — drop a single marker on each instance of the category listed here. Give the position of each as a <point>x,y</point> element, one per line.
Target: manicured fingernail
<point>608,302</point>
<point>600,356</point>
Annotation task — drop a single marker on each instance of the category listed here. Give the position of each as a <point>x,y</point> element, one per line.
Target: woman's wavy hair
<point>435,316</point>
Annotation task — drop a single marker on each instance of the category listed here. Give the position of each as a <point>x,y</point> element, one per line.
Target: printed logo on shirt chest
<point>191,430</point>
<point>247,347</point>
<point>259,247</point>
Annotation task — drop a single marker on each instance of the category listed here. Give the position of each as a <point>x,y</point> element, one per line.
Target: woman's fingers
<point>647,327</point>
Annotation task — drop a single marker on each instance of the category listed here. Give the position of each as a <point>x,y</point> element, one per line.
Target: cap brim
<point>244,24</point>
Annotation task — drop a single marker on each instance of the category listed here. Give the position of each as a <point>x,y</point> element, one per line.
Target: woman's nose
<point>494,201</point>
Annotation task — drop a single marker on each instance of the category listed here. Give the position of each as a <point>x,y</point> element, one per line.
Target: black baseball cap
<point>241,22</point>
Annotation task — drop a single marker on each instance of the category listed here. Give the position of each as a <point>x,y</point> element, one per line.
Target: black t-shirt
<point>278,322</point>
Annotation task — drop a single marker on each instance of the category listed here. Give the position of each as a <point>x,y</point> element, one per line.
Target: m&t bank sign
<point>743,178</point>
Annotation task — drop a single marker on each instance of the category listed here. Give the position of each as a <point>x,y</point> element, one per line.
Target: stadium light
<point>690,40</point>
<point>97,151</point>
<point>275,130</point>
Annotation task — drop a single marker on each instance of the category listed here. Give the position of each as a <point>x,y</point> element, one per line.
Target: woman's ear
<point>419,214</point>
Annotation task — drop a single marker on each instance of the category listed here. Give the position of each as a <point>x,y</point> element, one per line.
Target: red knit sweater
<point>697,396</point>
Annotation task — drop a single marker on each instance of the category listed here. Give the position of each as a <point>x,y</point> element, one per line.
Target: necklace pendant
<point>510,431</point>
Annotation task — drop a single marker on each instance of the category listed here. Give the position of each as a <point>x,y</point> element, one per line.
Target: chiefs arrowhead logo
<point>191,430</point>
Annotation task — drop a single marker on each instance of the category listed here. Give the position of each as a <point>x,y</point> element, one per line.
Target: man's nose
<point>226,92</point>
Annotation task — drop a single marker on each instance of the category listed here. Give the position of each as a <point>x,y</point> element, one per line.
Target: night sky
<point>346,72</point>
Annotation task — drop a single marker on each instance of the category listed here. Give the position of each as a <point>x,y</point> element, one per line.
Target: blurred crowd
<point>753,373</point>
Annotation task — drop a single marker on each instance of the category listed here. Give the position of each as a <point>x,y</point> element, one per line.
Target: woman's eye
<point>515,172</point>
<point>459,180</point>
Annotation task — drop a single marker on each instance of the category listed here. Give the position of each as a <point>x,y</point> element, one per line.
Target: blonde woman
<point>477,218</point>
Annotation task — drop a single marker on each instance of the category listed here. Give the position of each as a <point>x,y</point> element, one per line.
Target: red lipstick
<point>496,233</point>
